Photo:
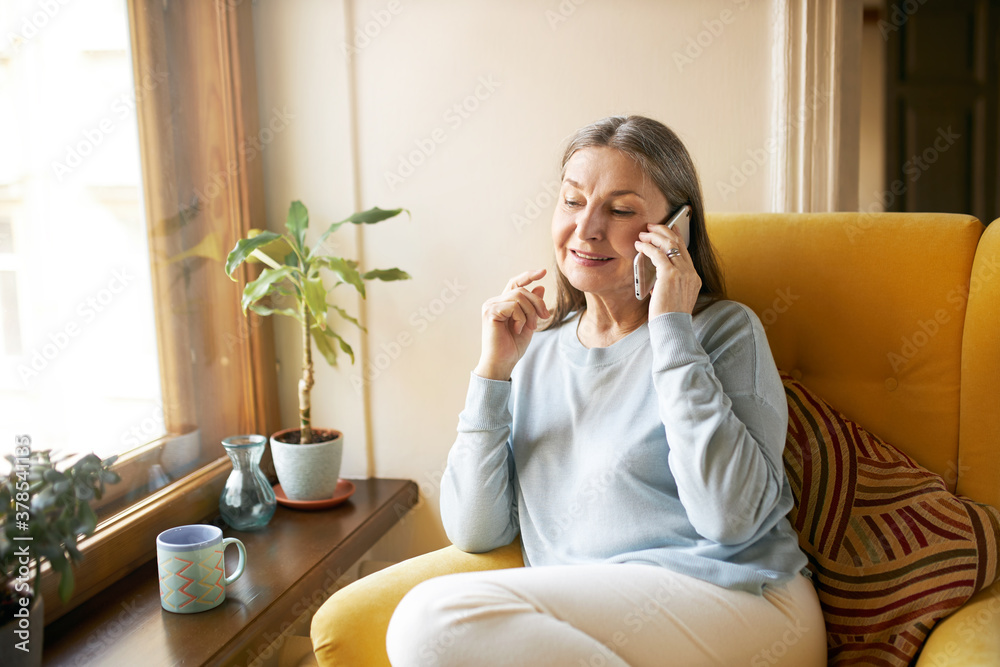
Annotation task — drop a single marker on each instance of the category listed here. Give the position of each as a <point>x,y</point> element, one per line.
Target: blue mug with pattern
<point>192,569</point>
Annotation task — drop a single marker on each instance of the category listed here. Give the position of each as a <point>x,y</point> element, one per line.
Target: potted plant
<point>43,511</point>
<point>306,459</point>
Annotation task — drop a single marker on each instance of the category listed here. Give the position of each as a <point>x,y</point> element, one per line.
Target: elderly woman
<point>635,446</point>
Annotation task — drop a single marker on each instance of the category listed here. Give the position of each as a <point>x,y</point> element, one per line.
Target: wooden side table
<point>290,565</point>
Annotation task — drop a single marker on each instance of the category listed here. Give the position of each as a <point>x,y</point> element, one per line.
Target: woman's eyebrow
<point>616,193</point>
<point>619,193</point>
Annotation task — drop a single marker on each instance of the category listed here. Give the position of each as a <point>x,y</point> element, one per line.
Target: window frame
<point>203,119</point>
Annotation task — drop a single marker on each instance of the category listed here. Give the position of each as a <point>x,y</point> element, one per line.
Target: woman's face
<point>604,202</point>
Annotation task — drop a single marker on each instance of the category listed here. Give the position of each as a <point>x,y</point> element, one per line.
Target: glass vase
<point>247,501</point>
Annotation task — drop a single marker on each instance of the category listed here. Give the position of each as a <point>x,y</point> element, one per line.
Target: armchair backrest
<point>894,318</point>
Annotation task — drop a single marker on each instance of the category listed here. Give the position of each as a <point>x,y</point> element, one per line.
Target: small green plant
<point>293,272</point>
<point>43,512</point>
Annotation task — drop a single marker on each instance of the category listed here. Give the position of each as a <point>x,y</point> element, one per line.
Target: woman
<point>634,446</point>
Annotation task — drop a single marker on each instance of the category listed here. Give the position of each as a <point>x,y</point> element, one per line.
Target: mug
<point>192,569</point>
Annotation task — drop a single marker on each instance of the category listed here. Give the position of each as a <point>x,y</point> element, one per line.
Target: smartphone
<point>642,266</point>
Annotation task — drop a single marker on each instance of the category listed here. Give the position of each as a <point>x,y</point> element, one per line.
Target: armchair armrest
<point>349,629</point>
<point>970,637</point>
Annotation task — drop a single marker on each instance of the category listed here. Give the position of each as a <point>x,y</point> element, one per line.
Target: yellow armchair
<point>350,628</point>
<point>893,318</point>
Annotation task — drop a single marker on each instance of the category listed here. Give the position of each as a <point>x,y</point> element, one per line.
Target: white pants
<point>604,616</point>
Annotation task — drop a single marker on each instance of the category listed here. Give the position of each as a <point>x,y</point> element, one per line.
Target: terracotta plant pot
<point>307,472</point>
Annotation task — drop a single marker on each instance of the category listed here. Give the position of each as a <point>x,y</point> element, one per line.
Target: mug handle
<point>241,565</point>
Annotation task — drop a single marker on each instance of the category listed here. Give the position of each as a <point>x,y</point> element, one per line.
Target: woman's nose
<point>589,225</point>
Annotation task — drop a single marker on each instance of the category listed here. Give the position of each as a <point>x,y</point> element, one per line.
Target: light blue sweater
<point>664,448</point>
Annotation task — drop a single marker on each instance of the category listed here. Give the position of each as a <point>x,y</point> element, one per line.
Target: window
<point>81,371</point>
<point>10,331</point>
<point>169,365</point>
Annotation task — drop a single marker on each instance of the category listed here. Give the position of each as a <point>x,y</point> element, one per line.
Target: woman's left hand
<point>677,283</point>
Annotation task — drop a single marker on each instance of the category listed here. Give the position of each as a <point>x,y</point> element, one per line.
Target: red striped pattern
<point>892,551</point>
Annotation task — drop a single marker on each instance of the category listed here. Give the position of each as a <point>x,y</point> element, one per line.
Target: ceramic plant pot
<point>14,633</point>
<point>307,472</point>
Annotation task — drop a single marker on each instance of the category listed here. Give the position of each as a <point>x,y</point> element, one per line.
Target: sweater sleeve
<point>478,503</point>
<point>724,412</point>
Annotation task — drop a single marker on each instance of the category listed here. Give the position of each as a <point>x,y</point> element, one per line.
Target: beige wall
<point>528,74</point>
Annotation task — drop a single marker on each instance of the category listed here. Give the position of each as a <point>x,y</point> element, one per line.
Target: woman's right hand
<point>509,320</point>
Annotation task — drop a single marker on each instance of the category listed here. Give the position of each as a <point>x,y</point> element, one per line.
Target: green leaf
<point>315,295</point>
<point>344,346</point>
<point>6,545</point>
<point>110,477</point>
<point>75,555</point>
<point>87,521</point>
<point>386,274</point>
<point>344,270</point>
<point>66,581</point>
<point>297,223</point>
<point>88,463</point>
<point>43,500</point>
<point>369,217</point>
<point>48,547</point>
<point>373,215</point>
<point>260,288</point>
<point>343,313</point>
<point>286,291</point>
<point>265,311</point>
<point>244,247</point>
<point>278,251</point>
<point>323,344</point>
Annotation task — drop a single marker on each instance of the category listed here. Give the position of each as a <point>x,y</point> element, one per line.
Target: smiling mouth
<point>596,258</point>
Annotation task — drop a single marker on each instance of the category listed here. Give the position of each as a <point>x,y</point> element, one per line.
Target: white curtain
<point>816,60</point>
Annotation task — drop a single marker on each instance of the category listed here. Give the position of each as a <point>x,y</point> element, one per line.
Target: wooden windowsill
<point>290,564</point>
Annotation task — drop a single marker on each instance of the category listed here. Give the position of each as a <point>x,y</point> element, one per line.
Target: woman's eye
<point>618,211</point>
<point>572,202</point>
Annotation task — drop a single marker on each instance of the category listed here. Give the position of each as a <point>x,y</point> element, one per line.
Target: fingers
<point>656,256</point>
<point>522,307</point>
<point>509,311</point>
<point>664,242</point>
<point>656,250</point>
<point>533,298</point>
<point>509,320</point>
<point>525,279</point>
<point>678,283</point>
<point>665,238</point>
